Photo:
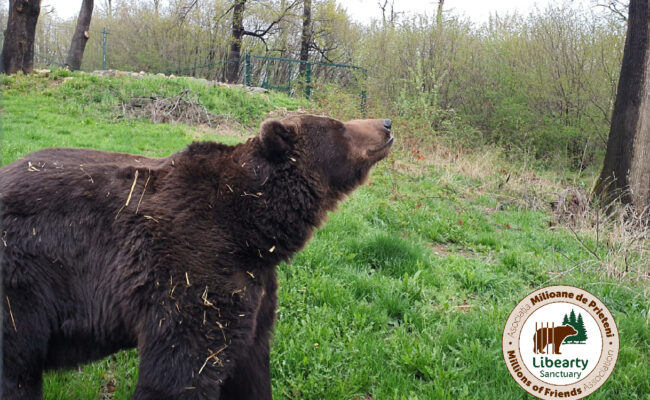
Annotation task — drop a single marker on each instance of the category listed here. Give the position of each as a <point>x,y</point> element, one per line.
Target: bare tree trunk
<point>80,37</point>
<point>18,48</point>
<point>626,170</point>
<point>391,14</point>
<point>232,68</point>
<point>439,14</point>
<point>107,6</point>
<point>306,35</point>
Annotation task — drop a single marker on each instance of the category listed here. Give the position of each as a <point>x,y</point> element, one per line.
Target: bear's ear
<point>277,138</point>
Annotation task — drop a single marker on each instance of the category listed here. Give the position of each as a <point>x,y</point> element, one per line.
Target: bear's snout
<point>371,137</point>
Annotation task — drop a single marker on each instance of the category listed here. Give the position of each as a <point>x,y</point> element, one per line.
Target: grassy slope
<point>402,295</point>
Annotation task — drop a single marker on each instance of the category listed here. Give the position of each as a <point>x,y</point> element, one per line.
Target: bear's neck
<point>284,209</point>
<point>269,211</point>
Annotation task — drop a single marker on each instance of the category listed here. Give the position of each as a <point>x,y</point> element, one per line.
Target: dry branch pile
<point>183,107</point>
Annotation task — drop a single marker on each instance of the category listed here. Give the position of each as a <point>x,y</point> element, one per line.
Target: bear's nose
<point>387,123</point>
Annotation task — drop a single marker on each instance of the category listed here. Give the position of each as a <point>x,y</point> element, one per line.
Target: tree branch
<point>613,6</point>
<point>259,33</point>
<point>225,13</point>
<point>184,10</point>
<point>322,52</point>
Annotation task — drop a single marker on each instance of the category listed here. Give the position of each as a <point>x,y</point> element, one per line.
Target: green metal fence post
<point>308,80</point>
<point>266,84</point>
<point>104,33</point>
<point>247,69</point>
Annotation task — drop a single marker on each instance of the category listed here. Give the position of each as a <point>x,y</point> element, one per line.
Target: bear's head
<point>339,154</point>
<point>569,330</point>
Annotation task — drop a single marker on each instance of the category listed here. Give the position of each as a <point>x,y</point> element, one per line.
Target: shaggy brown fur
<point>104,251</point>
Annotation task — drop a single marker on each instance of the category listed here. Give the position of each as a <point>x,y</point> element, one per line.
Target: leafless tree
<point>388,13</point>
<point>238,32</point>
<point>80,36</point>
<point>305,40</point>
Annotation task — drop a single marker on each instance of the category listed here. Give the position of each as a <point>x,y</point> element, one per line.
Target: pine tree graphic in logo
<point>579,325</point>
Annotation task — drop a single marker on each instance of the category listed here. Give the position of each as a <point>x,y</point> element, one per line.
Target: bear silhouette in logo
<point>554,336</point>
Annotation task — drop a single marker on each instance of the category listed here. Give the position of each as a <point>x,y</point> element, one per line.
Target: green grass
<point>371,306</point>
<point>84,112</point>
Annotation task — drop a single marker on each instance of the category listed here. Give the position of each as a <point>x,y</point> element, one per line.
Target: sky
<point>364,10</point>
<point>477,10</point>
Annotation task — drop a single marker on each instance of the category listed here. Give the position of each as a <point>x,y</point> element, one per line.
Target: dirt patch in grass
<point>284,113</point>
<point>107,389</point>
<point>408,168</point>
<point>57,82</point>
<point>229,128</point>
<point>445,249</point>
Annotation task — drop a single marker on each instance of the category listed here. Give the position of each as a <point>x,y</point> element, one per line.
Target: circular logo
<point>560,342</point>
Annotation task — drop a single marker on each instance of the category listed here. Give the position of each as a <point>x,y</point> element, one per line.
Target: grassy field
<point>405,291</point>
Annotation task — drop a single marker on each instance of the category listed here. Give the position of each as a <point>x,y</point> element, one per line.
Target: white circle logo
<point>560,341</point>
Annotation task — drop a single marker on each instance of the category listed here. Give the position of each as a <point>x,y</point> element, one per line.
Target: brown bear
<point>551,336</point>
<point>105,251</point>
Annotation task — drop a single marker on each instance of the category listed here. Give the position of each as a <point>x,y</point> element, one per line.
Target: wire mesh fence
<point>283,74</point>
